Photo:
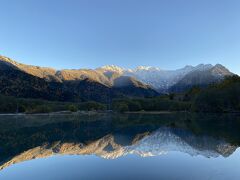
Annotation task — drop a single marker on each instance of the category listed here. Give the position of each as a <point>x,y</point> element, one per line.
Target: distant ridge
<point>163,81</point>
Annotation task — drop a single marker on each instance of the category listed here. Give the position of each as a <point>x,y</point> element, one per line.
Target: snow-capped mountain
<point>157,78</point>
<point>111,68</point>
<point>163,81</point>
<point>202,76</point>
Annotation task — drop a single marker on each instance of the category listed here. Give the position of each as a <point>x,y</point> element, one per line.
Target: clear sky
<point>90,33</point>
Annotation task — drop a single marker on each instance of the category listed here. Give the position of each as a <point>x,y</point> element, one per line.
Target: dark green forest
<point>22,105</point>
<point>222,97</point>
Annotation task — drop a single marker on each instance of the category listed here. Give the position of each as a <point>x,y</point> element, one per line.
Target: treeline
<point>163,103</point>
<point>221,97</point>
<point>10,104</point>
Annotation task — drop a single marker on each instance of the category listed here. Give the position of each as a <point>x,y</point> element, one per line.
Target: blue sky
<point>90,33</point>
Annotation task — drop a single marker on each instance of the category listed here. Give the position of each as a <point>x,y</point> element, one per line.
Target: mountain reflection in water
<point>112,135</point>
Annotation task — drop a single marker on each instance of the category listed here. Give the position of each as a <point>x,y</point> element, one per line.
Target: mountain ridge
<point>109,66</point>
<point>163,81</point>
<point>20,80</point>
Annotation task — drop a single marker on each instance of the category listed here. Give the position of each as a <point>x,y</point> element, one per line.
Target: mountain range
<point>104,83</point>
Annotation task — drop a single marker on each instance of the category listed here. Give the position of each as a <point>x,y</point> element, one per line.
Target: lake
<point>176,146</point>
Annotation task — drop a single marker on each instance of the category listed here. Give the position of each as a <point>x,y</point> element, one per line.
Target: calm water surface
<point>166,146</point>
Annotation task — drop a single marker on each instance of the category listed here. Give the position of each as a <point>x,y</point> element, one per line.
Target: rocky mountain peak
<point>112,68</point>
<point>220,70</point>
<point>202,67</point>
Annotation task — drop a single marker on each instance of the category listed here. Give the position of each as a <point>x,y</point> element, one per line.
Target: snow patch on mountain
<point>163,80</point>
<point>111,68</point>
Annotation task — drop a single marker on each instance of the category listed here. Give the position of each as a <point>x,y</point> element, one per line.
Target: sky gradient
<point>168,34</point>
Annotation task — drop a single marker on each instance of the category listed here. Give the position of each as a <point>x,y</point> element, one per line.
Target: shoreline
<point>107,112</point>
<point>89,113</point>
<point>56,113</point>
<point>151,112</point>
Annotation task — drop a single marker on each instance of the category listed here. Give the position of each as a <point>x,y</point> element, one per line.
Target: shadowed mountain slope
<point>67,85</point>
<point>201,78</point>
